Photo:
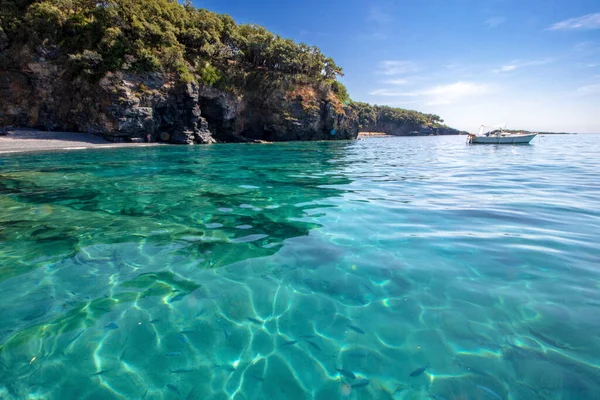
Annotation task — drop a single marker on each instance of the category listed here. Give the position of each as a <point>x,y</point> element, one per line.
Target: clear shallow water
<point>258,271</point>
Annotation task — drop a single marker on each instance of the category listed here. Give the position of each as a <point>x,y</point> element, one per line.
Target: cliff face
<point>124,106</point>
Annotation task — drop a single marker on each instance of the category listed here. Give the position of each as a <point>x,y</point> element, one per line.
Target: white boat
<point>499,136</point>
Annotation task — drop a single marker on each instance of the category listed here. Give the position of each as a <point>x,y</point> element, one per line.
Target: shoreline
<point>24,140</point>
<point>31,140</point>
<point>362,135</point>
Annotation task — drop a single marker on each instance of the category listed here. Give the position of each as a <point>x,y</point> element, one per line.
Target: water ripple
<point>407,268</point>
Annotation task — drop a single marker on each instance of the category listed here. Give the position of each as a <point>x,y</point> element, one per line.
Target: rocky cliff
<point>125,106</point>
<point>129,69</point>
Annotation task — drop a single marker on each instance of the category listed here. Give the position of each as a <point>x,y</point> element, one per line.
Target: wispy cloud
<point>589,21</point>
<point>583,46</point>
<point>514,65</point>
<point>587,65</point>
<point>441,94</point>
<point>388,92</point>
<point>379,13</point>
<point>451,93</point>
<point>397,67</point>
<point>398,82</point>
<point>379,21</point>
<point>494,22</point>
<point>589,89</point>
<point>401,103</point>
<point>506,68</point>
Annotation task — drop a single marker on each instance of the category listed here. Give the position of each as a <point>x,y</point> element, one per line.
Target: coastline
<point>362,135</point>
<point>31,140</point>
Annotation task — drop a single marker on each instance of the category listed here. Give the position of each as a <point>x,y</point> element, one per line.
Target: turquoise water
<point>260,271</point>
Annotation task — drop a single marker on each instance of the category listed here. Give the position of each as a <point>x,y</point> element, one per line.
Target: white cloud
<point>589,21</point>
<point>530,111</point>
<point>441,94</point>
<point>401,103</point>
<point>506,68</point>
<point>494,22</point>
<point>589,89</point>
<point>447,94</point>
<point>514,65</point>
<point>397,67</point>
<point>388,92</point>
<point>587,65</point>
<point>397,82</point>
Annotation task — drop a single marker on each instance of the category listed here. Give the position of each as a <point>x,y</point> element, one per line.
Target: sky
<point>530,64</point>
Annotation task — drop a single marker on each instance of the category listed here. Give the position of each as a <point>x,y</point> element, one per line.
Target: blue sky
<point>530,63</point>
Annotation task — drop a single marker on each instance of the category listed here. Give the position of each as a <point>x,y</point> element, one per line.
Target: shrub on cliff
<point>86,62</point>
<point>340,91</point>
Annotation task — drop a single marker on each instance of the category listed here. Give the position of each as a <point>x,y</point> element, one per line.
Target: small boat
<point>499,136</point>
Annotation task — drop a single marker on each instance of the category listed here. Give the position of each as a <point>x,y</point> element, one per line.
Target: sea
<point>387,268</point>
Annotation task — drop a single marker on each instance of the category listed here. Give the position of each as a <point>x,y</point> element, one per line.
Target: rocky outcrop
<point>152,107</point>
<point>124,106</point>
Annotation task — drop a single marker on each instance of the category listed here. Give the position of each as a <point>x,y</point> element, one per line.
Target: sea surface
<point>389,268</point>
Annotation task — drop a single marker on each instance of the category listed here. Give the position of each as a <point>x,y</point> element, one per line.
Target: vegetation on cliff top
<point>160,35</point>
<point>93,37</point>
<point>369,117</point>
